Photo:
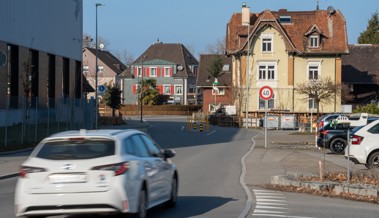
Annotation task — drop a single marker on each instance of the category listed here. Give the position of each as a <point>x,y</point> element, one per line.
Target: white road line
<point>213,131</point>
<point>269,212</point>
<point>270,207</point>
<point>270,203</point>
<point>279,215</point>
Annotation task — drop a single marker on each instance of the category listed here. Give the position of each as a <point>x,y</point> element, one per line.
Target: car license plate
<point>67,178</point>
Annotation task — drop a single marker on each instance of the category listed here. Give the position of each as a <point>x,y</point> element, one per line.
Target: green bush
<point>369,108</point>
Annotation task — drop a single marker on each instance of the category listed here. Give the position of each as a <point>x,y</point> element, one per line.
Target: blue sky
<point>133,25</point>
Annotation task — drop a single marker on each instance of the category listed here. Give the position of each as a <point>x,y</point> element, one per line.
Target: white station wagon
<point>96,171</point>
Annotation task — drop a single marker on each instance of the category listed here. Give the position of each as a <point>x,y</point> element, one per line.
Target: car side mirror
<point>168,153</point>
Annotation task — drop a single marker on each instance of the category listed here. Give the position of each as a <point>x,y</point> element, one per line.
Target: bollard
<point>194,125</point>
<point>201,127</point>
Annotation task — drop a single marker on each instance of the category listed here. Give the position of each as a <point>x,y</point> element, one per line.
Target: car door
<point>163,168</point>
<point>150,168</point>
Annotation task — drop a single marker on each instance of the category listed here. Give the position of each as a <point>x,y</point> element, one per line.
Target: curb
<point>334,187</point>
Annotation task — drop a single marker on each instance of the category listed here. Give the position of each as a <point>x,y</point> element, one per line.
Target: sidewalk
<point>11,161</point>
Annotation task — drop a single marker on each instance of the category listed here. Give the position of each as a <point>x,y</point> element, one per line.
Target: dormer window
<point>314,41</point>
<point>285,19</point>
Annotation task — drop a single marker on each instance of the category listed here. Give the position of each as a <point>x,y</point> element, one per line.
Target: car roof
<point>95,133</point>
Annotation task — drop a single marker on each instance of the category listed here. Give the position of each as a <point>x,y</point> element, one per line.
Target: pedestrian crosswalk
<point>271,204</point>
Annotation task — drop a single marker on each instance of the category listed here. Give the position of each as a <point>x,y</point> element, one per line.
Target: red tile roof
<point>332,28</point>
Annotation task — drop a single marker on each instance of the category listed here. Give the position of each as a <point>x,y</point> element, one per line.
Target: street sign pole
<point>266,93</point>
<point>266,106</point>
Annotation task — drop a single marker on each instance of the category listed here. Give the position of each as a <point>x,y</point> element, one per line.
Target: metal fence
<point>28,120</point>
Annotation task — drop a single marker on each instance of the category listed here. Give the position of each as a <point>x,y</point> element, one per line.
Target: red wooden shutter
<point>134,89</point>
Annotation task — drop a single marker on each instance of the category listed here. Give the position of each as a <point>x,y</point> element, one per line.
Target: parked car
<point>96,171</point>
<point>326,119</point>
<point>364,146</point>
<point>334,138</point>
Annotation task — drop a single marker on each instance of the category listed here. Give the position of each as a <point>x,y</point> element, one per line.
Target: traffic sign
<point>3,58</point>
<point>101,88</point>
<point>266,93</point>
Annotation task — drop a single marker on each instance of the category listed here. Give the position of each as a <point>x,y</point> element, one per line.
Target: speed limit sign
<point>266,93</point>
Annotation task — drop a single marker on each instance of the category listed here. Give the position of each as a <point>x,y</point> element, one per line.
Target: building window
<point>139,72</point>
<point>178,89</point>
<point>285,19</point>
<point>313,71</point>
<point>312,104</point>
<point>100,69</point>
<point>167,89</point>
<point>153,72</point>
<point>314,41</point>
<point>267,45</point>
<point>85,69</point>
<point>167,72</point>
<point>221,91</point>
<point>267,71</point>
<point>271,103</point>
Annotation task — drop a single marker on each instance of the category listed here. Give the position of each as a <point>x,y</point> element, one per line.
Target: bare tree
<point>124,56</point>
<point>321,90</point>
<point>216,48</point>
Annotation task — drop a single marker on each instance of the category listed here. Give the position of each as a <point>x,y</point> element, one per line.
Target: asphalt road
<point>210,165</point>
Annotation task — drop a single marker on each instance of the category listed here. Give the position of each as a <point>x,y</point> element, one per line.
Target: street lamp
<point>141,89</point>
<point>97,71</point>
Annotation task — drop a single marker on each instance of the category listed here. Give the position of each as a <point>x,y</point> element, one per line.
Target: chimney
<point>245,15</point>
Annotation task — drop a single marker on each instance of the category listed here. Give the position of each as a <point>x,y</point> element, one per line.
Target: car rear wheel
<point>142,206</point>
<point>373,161</point>
<point>174,193</point>
<point>338,145</point>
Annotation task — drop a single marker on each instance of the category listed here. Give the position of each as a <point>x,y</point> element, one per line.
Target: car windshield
<point>74,149</point>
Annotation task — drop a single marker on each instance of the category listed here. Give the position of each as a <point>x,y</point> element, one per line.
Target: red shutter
<point>134,89</point>
<point>172,89</point>
<point>147,72</point>
<point>160,89</point>
<point>170,71</point>
<point>158,72</point>
<point>135,71</point>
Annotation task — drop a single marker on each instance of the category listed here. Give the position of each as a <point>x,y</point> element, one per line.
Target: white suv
<point>364,146</point>
<point>96,172</point>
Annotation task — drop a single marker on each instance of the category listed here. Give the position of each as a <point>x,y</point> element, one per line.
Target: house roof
<point>109,59</point>
<point>204,79</point>
<point>331,27</point>
<point>362,62</point>
<point>171,52</point>
<point>86,86</point>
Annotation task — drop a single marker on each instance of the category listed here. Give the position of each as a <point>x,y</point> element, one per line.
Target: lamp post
<point>97,71</point>
<point>141,89</point>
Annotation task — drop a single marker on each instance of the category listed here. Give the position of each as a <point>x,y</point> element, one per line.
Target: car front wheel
<point>174,193</point>
<point>338,145</point>
<point>373,161</point>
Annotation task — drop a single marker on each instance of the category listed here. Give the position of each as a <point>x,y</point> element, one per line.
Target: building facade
<point>282,49</point>
<point>43,62</point>
<point>172,66</point>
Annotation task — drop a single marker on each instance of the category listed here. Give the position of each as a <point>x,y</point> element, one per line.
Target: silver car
<point>96,171</point>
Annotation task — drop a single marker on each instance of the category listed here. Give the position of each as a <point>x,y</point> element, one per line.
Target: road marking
<point>213,131</point>
<point>271,204</point>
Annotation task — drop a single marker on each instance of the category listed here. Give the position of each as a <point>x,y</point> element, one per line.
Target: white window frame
<point>312,105</point>
<point>167,72</point>
<point>271,103</point>
<point>85,68</point>
<point>314,41</point>
<point>270,71</point>
<point>164,89</point>
<point>180,89</point>
<point>100,69</point>
<point>151,72</point>
<point>311,65</point>
<point>221,91</point>
<point>139,72</point>
<point>267,39</point>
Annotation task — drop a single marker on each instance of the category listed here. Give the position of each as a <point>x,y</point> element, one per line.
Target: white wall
<point>52,26</point>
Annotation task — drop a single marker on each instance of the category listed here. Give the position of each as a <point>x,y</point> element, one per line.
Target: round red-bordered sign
<point>266,93</point>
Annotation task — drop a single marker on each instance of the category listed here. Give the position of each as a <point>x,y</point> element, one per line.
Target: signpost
<point>266,93</point>
<point>101,89</point>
